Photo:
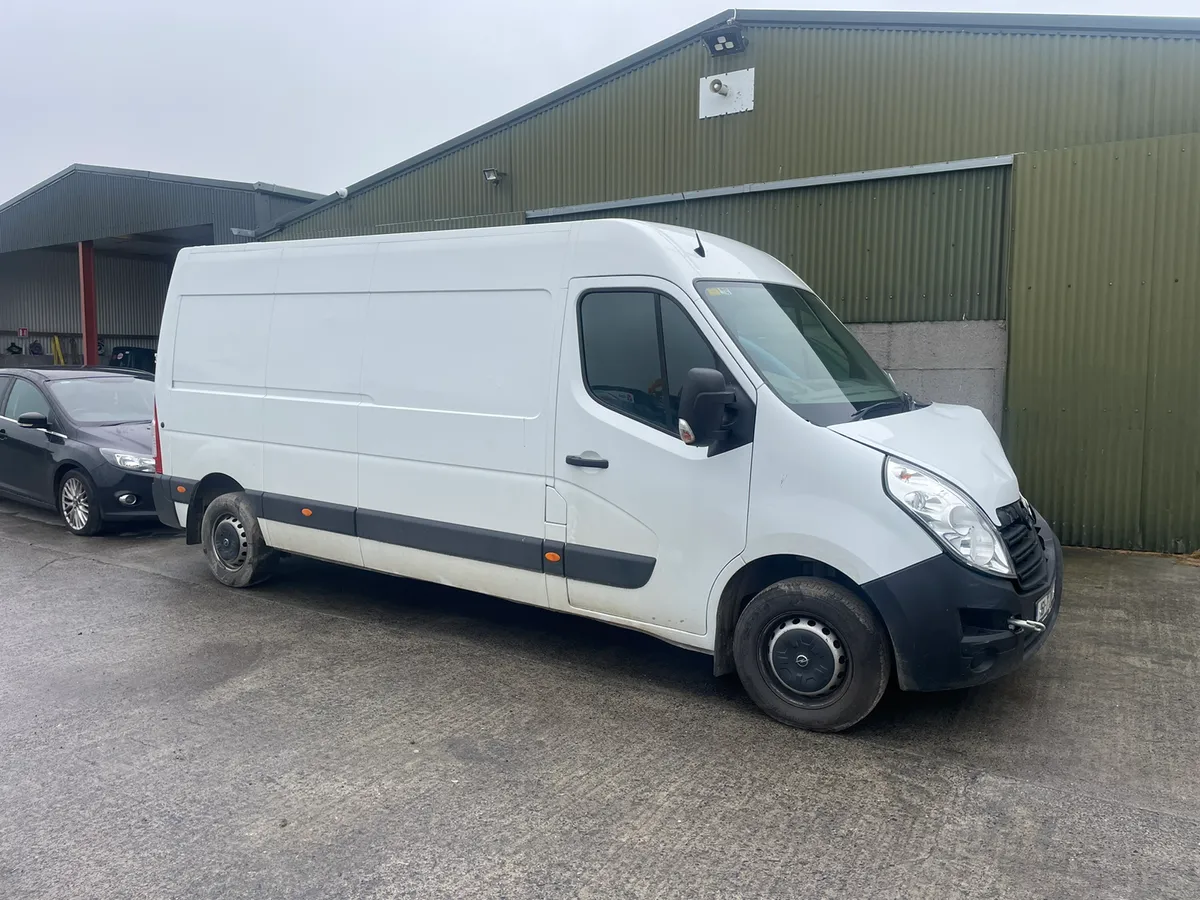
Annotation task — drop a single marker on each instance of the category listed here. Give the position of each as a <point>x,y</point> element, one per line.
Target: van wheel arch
<point>206,491</point>
<point>758,575</point>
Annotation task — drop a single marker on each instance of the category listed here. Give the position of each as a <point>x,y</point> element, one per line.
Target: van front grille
<point>1019,532</point>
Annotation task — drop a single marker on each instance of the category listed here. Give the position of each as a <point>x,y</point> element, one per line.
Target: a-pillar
<point>87,303</point>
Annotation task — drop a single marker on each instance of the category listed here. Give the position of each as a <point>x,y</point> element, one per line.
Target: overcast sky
<point>318,95</point>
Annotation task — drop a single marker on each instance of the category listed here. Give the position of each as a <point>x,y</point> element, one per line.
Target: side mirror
<point>702,403</point>
<point>33,420</point>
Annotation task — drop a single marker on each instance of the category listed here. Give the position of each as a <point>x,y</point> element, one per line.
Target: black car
<point>79,441</point>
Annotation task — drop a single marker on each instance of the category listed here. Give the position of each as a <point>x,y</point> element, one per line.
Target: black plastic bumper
<point>164,501</point>
<point>112,482</point>
<point>948,623</point>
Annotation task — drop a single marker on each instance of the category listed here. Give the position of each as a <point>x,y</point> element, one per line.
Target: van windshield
<point>808,358</point>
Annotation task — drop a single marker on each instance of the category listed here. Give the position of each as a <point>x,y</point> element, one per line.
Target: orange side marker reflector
<point>553,557</point>
<point>306,512</point>
<point>181,489</point>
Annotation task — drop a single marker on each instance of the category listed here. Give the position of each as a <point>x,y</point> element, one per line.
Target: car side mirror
<point>702,407</point>
<point>33,420</point>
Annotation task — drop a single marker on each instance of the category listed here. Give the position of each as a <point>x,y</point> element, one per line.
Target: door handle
<point>587,462</point>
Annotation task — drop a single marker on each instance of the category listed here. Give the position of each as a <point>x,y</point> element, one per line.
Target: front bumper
<point>112,482</point>
<point>164,501</point>
<point>948,623</point>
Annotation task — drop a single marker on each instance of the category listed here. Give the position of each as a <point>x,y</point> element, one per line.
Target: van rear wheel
<point>812,654</point>
<point>233,543</point>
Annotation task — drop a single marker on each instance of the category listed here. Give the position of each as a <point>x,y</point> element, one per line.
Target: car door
<point>650,521</point>
<point>5,427</point>
<point>27,458</point>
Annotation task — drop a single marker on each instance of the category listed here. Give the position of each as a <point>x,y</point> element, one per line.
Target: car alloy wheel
<point>76,503</point>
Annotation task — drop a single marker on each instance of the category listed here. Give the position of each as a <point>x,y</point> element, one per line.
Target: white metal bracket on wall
<point>723,95</point>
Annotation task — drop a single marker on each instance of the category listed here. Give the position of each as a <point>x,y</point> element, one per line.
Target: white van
<point>627,421</point>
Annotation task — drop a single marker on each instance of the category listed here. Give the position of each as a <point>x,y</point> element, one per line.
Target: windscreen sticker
<point>719,292</point>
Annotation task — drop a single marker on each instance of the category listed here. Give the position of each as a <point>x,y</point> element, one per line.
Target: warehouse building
<point>1006,209</point>
<point>90,250</point>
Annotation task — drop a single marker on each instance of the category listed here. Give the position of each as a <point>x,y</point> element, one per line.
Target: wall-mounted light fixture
<point>493,176</point>
<point>723,41</point>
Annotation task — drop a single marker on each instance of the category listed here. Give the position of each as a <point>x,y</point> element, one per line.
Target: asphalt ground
<point>342,734</point>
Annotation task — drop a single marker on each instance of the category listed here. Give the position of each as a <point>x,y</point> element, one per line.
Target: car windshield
<point>105,400</point>
<point>807,357</point>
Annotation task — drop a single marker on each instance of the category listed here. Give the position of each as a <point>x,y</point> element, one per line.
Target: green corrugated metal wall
<point>897,250</point>
<point>827,100</point>
<point>491,221</point>
<point>1103,409</point>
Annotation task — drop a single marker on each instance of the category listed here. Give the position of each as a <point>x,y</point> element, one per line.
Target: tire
<point>79,503</point>
<point>812,654</point>
<point>233,543</point>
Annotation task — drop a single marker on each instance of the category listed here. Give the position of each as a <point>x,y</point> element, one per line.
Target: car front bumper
<point>949,623</point>
<point>112,482</point>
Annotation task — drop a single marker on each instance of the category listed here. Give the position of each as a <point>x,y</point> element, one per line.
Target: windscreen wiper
<point>905,402</point>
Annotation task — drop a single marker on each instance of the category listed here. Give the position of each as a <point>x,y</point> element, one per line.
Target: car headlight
<point>134,462</point>
<point>949,515</point>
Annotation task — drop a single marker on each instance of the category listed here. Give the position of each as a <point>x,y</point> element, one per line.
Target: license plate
<point>1044,605</point>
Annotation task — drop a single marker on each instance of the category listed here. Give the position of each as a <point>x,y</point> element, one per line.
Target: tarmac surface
<point>338,734</point>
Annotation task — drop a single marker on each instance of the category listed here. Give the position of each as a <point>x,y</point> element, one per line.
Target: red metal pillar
<point>87,301</point>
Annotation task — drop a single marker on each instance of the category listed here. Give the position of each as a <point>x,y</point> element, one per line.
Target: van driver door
<point>650,521</point>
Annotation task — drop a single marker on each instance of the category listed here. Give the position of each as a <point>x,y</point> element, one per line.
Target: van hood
<point>955,442</point>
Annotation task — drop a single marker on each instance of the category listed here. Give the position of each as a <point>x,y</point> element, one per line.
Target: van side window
<point>637,349</point>
<point>685,349</point>
<point>25,398</point>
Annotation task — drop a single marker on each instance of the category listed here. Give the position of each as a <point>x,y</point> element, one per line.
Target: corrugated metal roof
<point>258,186</point>
<point>703,167</point>
<point>1104,320</point>
<point>90,202</point>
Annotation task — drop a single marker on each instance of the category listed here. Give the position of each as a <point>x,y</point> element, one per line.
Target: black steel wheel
<point>79,504</point>
<point>812,654</point>
<point>233,543</point>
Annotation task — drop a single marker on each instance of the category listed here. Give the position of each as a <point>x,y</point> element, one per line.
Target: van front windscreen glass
<point>807,357</point>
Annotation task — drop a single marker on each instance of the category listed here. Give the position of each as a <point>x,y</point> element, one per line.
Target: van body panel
<point>956,442</point>
<point>816,495</point>
<point>326,545</point>
<point>658,498</point>
<point>455,421</point>
<point>508,582</point>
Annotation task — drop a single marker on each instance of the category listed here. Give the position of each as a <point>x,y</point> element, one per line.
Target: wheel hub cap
<point>229,542</point>
<point>807,656</point>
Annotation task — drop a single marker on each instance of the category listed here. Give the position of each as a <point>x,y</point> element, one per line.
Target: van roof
<point>597,247</point>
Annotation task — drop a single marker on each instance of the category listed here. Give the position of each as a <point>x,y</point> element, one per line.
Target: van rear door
<point>651,521</point>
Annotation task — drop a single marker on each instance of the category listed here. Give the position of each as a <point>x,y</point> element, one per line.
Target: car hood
<point>956,442</point>
<point>135,436</point>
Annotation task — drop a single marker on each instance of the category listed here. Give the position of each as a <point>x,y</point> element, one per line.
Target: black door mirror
<point>702,407</point>
<point>33,420</point>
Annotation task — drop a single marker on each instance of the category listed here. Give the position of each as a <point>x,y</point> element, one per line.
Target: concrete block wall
<point>944,362</point>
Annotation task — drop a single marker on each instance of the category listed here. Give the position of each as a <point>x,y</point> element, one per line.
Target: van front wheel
<point>812,654</point>
<point>233,542</point>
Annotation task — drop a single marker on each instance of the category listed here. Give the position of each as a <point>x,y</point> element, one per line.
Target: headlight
<point>950,516</point>
<point>134,462</point>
